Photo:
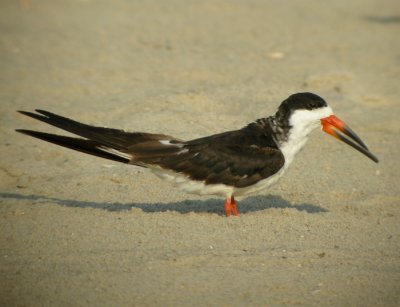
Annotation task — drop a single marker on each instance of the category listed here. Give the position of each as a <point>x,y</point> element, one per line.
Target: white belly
<point>261,185</point>
<point>200,188</point>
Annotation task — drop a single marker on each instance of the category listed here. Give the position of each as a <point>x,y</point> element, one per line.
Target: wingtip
<point>40,111</point>
<point>43,115</point>
<point>24,131</point>
<point>23,112</point>
<point>27,113</point>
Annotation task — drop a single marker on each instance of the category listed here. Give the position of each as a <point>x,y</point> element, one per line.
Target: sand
<point>77,230</point>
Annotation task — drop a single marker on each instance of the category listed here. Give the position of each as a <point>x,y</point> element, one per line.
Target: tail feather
<point>87,146</point>
<point>118,145</point>
<point>114,138</point>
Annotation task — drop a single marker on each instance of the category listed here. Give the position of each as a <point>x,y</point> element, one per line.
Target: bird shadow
<point>249,204</point>
<point>386,19</point>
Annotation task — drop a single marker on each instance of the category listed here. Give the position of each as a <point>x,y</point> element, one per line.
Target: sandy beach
<point>77,230</point>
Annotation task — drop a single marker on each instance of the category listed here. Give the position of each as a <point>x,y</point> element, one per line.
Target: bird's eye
<point>312,105</point>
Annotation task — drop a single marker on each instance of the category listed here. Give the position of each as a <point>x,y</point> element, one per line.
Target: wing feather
<point>238,158</point>
<point>229,158</point>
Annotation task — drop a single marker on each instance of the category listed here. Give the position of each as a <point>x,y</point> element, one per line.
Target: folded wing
<point>236,158</point>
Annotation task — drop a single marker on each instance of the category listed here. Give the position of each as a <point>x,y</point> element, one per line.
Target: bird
<point>228,164</point>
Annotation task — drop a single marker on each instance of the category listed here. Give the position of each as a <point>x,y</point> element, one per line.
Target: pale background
<point>77,230</point>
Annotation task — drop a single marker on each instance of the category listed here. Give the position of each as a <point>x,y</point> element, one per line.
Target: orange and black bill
<point>338,129</point>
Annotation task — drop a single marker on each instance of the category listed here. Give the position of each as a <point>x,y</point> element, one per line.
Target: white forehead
<point>304,117</point>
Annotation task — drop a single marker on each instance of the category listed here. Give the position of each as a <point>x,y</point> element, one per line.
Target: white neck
<point>302,122</point>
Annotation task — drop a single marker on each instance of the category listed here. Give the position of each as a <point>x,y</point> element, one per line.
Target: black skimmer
<point>228,164</point>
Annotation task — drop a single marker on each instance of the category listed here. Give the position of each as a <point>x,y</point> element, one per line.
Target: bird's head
<point>305,111</point>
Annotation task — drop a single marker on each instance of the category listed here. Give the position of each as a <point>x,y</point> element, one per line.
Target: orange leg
<point>233,206</point>
<point>230,206</point>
